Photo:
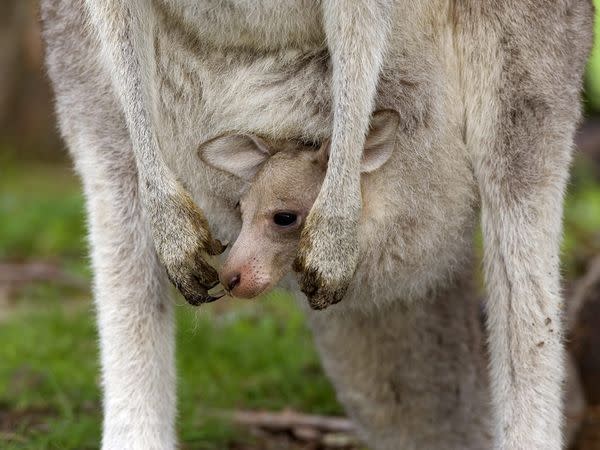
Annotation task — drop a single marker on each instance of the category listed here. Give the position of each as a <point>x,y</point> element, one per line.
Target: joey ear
<point>379,144</point>
<point>241,155</point>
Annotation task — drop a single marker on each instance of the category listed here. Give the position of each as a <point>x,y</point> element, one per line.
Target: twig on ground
<point>582,291</point>
<point>288,420</point>
<point>18,274</point>
<point>327,432</point>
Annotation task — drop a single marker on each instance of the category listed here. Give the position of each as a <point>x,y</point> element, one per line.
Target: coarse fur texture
<point>488,98</point>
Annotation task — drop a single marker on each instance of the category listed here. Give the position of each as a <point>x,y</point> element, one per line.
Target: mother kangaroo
<point>487,94</point>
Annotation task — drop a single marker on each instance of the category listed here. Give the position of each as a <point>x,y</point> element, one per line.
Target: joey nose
<point>233,281</point>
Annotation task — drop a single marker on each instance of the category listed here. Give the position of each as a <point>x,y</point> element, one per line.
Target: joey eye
<point>285,219</point>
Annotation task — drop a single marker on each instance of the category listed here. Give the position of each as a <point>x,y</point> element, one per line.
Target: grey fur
<point>488,94</point>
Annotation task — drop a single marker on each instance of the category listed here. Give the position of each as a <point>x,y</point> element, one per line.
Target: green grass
<point>48,376</point>
<point>41,214</point>
<point>258,355</point>
<point>593,68</point>
<point>255,354</point>
<point>581,239</point>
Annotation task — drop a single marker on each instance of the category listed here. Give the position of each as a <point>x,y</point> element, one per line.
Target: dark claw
<point>191,294</point>
<point>212,298</point>
<point>219,292</point>
<point>199,299</point>
<point>208,288</point>
<point>216,248</point>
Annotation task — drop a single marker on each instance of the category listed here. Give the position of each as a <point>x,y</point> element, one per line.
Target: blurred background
<point>235,358</point>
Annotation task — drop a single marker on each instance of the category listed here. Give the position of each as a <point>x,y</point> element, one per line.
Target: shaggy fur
<point>488,97</point>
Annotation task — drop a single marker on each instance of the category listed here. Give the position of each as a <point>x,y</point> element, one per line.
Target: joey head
<point>282,183</point>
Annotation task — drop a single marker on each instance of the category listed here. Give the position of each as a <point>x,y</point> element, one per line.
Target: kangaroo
<point>488,98</point>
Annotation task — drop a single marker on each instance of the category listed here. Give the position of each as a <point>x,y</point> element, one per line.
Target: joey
<point>282,185</point>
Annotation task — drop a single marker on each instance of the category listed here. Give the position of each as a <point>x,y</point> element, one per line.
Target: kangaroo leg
<point>134,312</point>
<point>525,99</point>
<point>411,376</point>
<point>133,307</point>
